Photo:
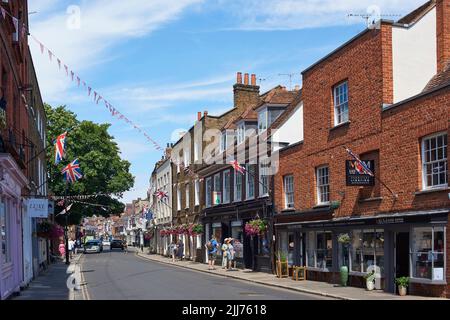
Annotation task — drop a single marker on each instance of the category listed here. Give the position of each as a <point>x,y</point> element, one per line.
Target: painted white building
<point>162,208</point>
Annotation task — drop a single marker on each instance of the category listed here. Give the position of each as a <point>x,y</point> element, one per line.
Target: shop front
<point>410,244</point>
<point>12,181</point>
<point>252,252</point>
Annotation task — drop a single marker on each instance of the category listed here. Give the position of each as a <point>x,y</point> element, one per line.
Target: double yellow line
<point>83,284</point>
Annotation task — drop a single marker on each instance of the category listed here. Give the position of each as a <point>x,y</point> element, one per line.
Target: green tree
<point>104,172</point>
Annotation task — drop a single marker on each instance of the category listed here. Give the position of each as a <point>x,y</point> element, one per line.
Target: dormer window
<point>262,121</point>
<point>241,133</point>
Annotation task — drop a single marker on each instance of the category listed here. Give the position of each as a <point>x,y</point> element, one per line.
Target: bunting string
<point>97,97</point>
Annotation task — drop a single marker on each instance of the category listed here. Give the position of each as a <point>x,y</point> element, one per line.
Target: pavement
<point>309,287</point>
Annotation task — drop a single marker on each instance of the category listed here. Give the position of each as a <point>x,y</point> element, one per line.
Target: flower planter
<point>370,285</point>
<point>402,291</point>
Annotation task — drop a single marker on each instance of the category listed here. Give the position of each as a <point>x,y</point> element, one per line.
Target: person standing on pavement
<point>237,247</point>
<point>71,247</point>
<point>212,246</point>
<point>224,253</point>
<point>62,249</point>
<point>180,250</point>
<point>230,254</point>
<point>173,250</point>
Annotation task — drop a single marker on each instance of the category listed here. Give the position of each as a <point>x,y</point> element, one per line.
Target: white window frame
<point>340,102</point>
<point>217,182</point>
<point>247,180</point>
<point>287,203</point>
<point>320,185</point>
<point>197,193</point>
<point>186,186</point>
<point>262,175</point>
<point>187,158</point>
<point>196,151</point>
<point>226,192</point>
<point>241,133</point>
<point>223,141</point>
<point>178,198</point>
<point>424,164</point>
<point>235,197</point>
<point>208,192</point>
<point>263,121</point>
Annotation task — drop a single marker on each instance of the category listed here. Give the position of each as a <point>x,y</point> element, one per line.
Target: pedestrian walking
<point>237,247</point>
<point>125,246</point>
<point>212,246</point>
<point>62,249</point>
<point>224,249</point>
<point>180,250</point>
<point>173,250</point>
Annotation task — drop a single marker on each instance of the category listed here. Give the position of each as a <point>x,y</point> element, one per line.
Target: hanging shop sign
<point>356,176</point>
<point>38,208</point>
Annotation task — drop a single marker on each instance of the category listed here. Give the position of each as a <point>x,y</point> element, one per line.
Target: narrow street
<point>115,275</point>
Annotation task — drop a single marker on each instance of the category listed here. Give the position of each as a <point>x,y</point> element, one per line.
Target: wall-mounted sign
<point>51,207</point>
<point>356,177</point>
<point>38,208</point>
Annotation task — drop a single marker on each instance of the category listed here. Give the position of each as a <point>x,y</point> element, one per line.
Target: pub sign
<point>356,176</point>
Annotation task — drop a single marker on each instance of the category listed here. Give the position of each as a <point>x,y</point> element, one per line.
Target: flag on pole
<point>361,167</point>
<point>72,172</point>
<point>60,147</point>
<point>237,167</point>
<point>66,210</point>
<point>161,195</point>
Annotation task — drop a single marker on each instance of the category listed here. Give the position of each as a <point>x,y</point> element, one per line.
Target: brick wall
<point>443,32</point>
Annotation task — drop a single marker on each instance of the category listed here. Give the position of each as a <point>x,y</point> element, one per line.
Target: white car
<point>106,243</point>
<point>93,246</point>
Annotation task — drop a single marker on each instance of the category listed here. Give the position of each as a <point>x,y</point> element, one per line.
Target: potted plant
<point>370,280</point>
<point>344,239</point>
<point>402,284</point>
<point>282,264</point>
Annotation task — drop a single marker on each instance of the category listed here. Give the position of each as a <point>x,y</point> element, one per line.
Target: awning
<point>429,216</point>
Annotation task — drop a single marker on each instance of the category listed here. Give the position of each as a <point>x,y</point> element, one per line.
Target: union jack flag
<point>60,147</point>
<point>161,195</point>
<point>72,172</point>
<point>237,167</point>
<point>360,166</point>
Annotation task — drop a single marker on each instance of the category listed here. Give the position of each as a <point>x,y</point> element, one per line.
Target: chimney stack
<point>443,33</point>
<point>199,116</point>
<point>246,79</point>
<point>253,79</point>
<point>239,78</point>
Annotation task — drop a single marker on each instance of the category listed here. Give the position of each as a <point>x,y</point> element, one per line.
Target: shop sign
<point>38,208</point>
<point>390,220</point>
<point>236,223</point>
<point>356,177</point>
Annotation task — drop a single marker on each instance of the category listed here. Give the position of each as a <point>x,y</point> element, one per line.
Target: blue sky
<point>160,61</point>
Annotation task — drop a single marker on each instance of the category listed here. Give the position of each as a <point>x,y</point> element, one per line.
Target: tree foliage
<point>104,172</point>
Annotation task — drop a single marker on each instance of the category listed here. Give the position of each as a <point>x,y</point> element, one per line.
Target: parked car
<point>117,243</point>
<point>106,242</point>
<point>93,246</point>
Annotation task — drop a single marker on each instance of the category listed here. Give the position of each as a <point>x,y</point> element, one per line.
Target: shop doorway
<point>402,254</point>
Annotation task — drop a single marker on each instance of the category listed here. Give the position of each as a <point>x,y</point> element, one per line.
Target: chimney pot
<point>205,114</point>
<point>253,79</point>
<point>246,79</point>
<point>239,78</point>
<point>199,116</point>
<point>297,87</point>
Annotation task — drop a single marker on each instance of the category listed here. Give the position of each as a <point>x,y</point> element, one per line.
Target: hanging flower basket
<point>255,227</point>
<point>56,232</point>
<point>148,235</point>
<point>44,229</point>
<point>197,229</point>
<point>344,238</point>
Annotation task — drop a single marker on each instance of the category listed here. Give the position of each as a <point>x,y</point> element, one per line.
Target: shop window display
<point>367,249</point>
<point>428,253</point>
<point>320,249</point>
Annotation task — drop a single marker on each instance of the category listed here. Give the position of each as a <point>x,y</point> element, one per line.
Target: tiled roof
<point>439,79</point>
<point>288,112</point>
<point>415,15</point>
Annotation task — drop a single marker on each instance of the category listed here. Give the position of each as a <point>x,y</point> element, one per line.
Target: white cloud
<point>301,14</point>
<point>104,23</point>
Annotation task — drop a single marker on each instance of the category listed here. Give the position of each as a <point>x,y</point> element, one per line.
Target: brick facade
<point>391,136</point>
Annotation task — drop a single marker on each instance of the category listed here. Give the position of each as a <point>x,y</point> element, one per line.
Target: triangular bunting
<point>95,96</point>
<point>16,24</point>
<point>42,47</point>
<point>72,74</point>
<point>89,91</point>
<point>67,70</point>
<point>78,80</point>
<point>50,54</point>
<point>59,64</point>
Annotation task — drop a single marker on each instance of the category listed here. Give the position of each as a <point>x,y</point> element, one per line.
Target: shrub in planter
<point>370,280</point>
<point>402,283</point>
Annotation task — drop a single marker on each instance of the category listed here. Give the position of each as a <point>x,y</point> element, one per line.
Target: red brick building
<point>385,95</point>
